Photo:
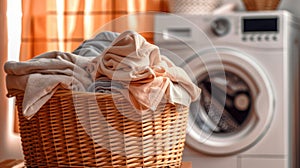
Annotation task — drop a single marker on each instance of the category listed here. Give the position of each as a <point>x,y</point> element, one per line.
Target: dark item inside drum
<point>225,103</point>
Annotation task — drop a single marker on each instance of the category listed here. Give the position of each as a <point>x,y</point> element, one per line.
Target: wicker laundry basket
<point>193,6</point>
<point>258,5</point>
<point>69,131</point>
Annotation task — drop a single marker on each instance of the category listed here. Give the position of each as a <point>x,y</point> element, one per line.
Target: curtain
<point>3,59</point>
<point>63,24</point>
<point>9,144</point>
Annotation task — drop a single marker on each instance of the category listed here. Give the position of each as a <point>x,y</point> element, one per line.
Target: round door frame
<point>257,125</point>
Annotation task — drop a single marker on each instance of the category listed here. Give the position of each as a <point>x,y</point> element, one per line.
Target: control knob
<point>220,27</point>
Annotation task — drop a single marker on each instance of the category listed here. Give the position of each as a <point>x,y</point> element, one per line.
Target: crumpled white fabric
<point>41,76</point>
<point>147,76</point>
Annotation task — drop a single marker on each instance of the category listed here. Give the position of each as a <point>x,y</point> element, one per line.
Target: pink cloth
<point>148,76</point>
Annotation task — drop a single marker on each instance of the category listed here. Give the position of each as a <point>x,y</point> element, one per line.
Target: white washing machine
<point>247,65</point>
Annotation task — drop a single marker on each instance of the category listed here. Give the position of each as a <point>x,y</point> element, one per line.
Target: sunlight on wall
<point>14,14</point>
<point>60,23</point>
<point>88,18</point>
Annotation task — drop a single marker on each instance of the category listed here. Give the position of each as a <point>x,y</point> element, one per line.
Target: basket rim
<point>63,91</point>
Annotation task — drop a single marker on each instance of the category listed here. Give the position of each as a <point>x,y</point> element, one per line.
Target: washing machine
<point>247,65</point>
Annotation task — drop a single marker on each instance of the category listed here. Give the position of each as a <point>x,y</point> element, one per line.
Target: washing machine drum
<point>236,105</point>
<point>227,116</point>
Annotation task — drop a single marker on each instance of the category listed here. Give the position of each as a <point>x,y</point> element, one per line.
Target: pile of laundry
<point>108,63</point>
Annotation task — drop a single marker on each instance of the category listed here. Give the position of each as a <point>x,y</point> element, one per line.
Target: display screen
<point>260,25</point>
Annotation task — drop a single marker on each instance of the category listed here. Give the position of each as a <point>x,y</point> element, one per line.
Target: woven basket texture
<point>79,129</point>
<point>259,5</point>
<point>193,6</point>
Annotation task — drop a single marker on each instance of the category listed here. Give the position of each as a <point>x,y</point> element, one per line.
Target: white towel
<point>41,76</point>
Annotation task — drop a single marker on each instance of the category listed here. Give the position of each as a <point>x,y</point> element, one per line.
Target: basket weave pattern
<point>258,5</point>
<point>67,132</point>
<point>193,6</point>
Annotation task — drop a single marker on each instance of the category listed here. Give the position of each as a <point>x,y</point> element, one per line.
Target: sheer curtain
<point>3,58</point>
<point>10,143</point>
<point>63,24</point>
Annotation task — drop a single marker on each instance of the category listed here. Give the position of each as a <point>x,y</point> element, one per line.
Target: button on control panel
<point>259,37</point>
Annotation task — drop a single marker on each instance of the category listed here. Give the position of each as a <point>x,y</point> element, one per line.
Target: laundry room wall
<point>290,5</point>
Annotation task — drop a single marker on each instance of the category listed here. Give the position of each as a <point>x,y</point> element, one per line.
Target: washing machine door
<point>236,106</point>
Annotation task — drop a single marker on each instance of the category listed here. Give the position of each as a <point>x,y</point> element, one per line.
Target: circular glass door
<point>236,105</point>
<point>217,117</point>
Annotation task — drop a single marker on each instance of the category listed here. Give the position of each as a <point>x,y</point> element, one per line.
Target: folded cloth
<point>41,76</point>
<point>96,45</point>
<point>147,76</point>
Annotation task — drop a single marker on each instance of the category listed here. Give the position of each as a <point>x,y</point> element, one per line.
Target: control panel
<point>259,29</point>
